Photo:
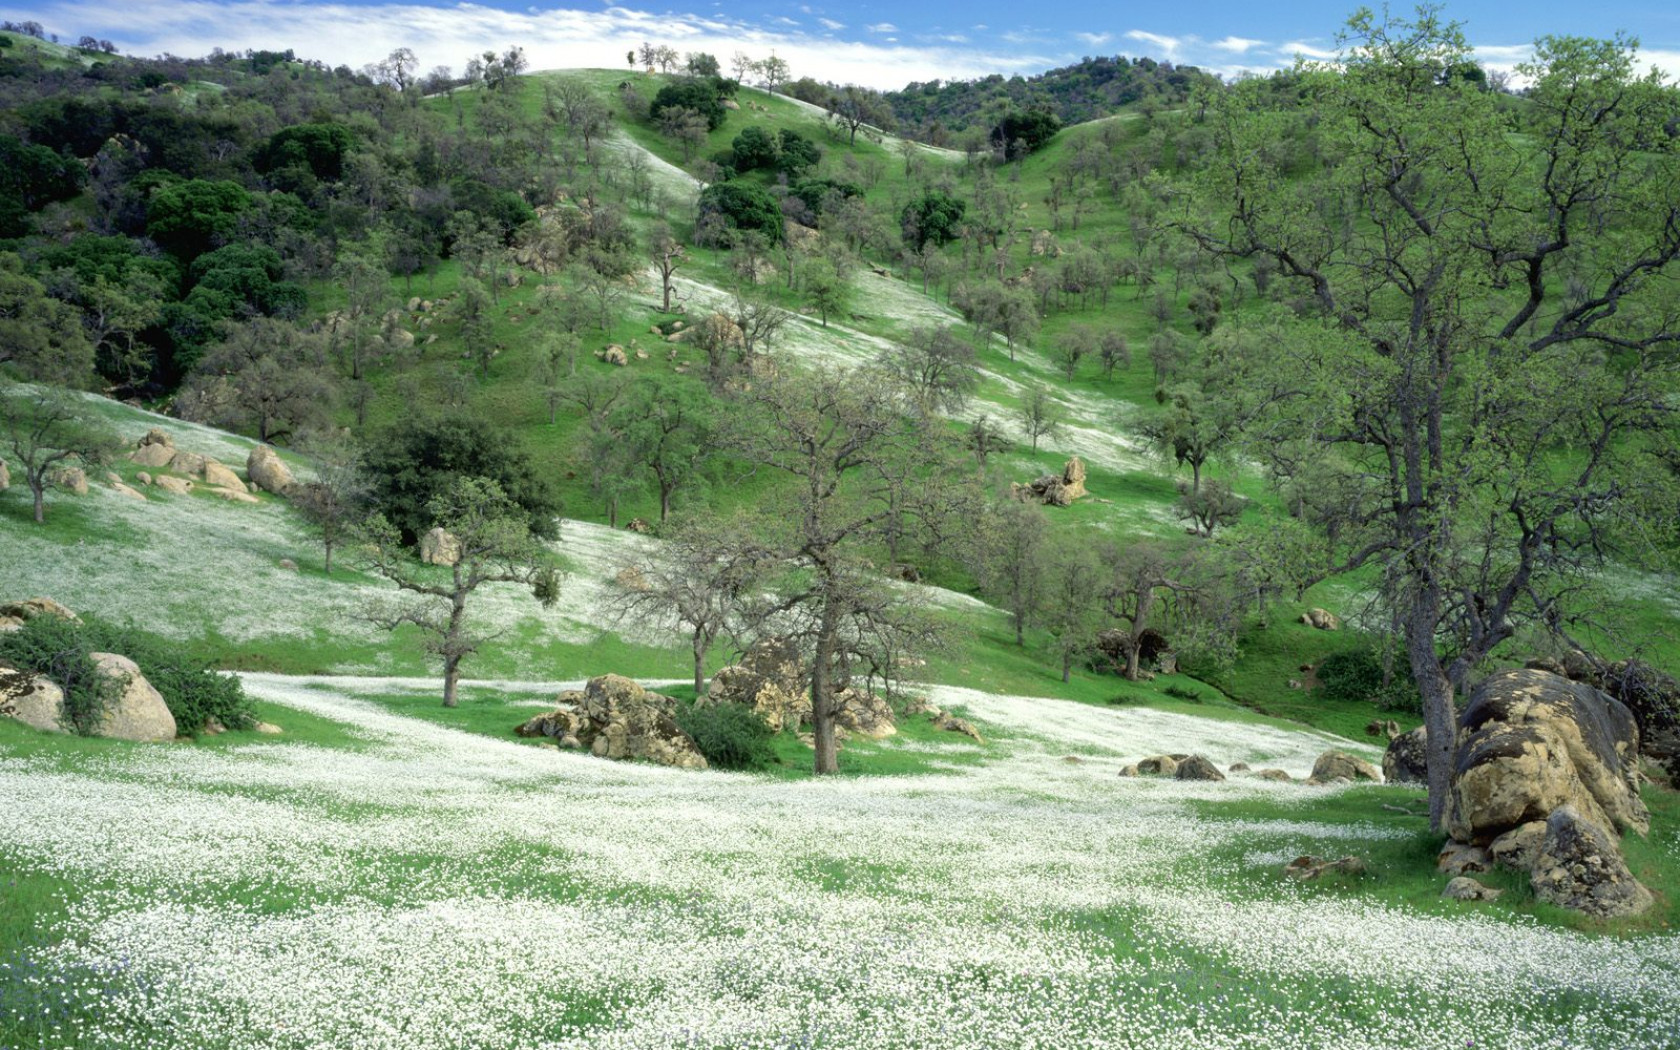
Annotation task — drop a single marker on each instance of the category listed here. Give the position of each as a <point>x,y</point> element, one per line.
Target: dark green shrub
<point>1019,134</point>
<point>1358,676</point>
<point>729,735</point>
<point>703,96</point>
<point>60,650</point>
<point>744,206</point>
<point>414,460</point>
<point>933,218</point>
<point>753,148</point>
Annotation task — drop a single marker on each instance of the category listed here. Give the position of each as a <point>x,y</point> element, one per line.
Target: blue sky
<point>877,43</point>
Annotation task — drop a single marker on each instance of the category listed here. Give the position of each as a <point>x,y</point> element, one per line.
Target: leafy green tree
<point>494,545</point>
<point>40,338</point>
<point>1009,561</point>
<point>701,96</point>
<point>190,217</point>
<point>413,460</point>
<point>1019,134</point>
<point>827,287</point>
<point>42,429</point>
<point>795,153</point>
<point>853,108</point>
<point>1039,413</point>
<point>265,374</point>
<point>1072,599</point>
<point>31,177</point>
<point>937,367</point>
<point>932,219</point>
<point>754,148</point>
<point>667,426</point>
<point>744,207</point>
<point>319,149</point>
<point>1492,357</point>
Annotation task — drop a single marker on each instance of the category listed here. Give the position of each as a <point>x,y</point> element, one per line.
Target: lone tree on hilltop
<point>1490,362</point>
<point>493,543</point>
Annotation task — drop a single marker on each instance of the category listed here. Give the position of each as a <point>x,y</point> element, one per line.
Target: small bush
<point>1182,693</point>
<point>729,735</point>
<point>60,650</point>
<point>1358,676</point>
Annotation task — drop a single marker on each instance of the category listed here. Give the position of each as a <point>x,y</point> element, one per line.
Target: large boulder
<point>1321,619</point>
<point>137,711</point>
<point>219,476</point>
<point>1652,696</point>
<point>1197,767</point>
<point>1048,489</point>
<point>173,485</point>
<point>1073,478</point>
<point>615,718</point>
<point>154,450</point>
<point>189,463</point>
<point>440,547</point>
<point>268,471</point>
<point>5,477</point>
<point>1339,765</point>
<point>71,479</point>
<point>31,699</point>
<point>1531,742</point>
<point>1406,760</point>
<point>1116,646</point>
<point>1580,866</point>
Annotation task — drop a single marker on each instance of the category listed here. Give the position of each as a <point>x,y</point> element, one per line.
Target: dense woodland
<point>1385,321</point>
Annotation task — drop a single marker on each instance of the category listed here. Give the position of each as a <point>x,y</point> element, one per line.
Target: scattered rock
<point>1073,760</point>
<point>143,478</point>
<point>268,471</point>
<point>1580,866</point>
<point>233,496</point>
<point>632,579</point>
<point>863,713</point>
<point>1047,489</point>
<point>1239,767</point>
<point>1652,696</point>
<point>1306,868</point>
<point>1388,730</point>
<point>71,479</point>
<point>1456,858</point>
<point>440,547</point>
<point>781,708</point>
<point>615,718</point>
<point>952,724</point>
<point>1339,765</point>
<point>614,355</point>
<point>1129,770</point>
<point>1159,765</point>
<point>30,608</point>
<point>31,699</point>
<point>1321,619</point>
<point>1464,888</point>
<point>1275,774</point>
<point>1406,760</point>
<point>138,712</point>
<point>5,477</point>
<point>288,565</point>
<point>1530,742</point>
<point>268,729</point>
<point>130,493</point>
<point>638,526</point>
<point>220,476</point>
<point>1116,646</point>
<point>174,485</point>
<point>1197,767</point>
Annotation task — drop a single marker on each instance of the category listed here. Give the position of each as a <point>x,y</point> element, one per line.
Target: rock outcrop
<point>1321,619</point>
<point>1580,866</point>
<point>137,711</point>
<point>1530,742</point>
<point>1197,767</point>
<point>1054,490</point>
<point>30,608</point>
<point>1464,888</point>
<point>156,449</point>
<point>268,471</point>
<point>1339,765</point>
<point>1545,775</point>
<point>1406,760</point>
<point>71,479</point>
<point>613,717</point>
<point>768,698</point>
<point>1652,696</point>
<point>772,680</point>
<point>862,713</point>
<point>219,476</point>
<point>440,547</point>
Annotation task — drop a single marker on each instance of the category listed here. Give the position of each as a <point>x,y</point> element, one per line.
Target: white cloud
<point>1095,39</point>
<point>337,33</point>
<point>1306,50</point>
<point>830,24</point>
<point>1237,45</point>
<point>1167,45</point>
<point>882,27</point>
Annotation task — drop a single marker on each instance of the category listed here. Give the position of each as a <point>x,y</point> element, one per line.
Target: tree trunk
<point>664,503</point>
<point>1195,477</point>
<point>39,490</point>
<point>451,676</point>
<point>699,666</point>
<point>1440,716</point>
<point>822,698</point>
<point>1132,658</point>
<point>1067,667</point>
<point>328,544</point>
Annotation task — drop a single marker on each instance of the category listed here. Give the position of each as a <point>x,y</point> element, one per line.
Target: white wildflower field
<point>416,886</point>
